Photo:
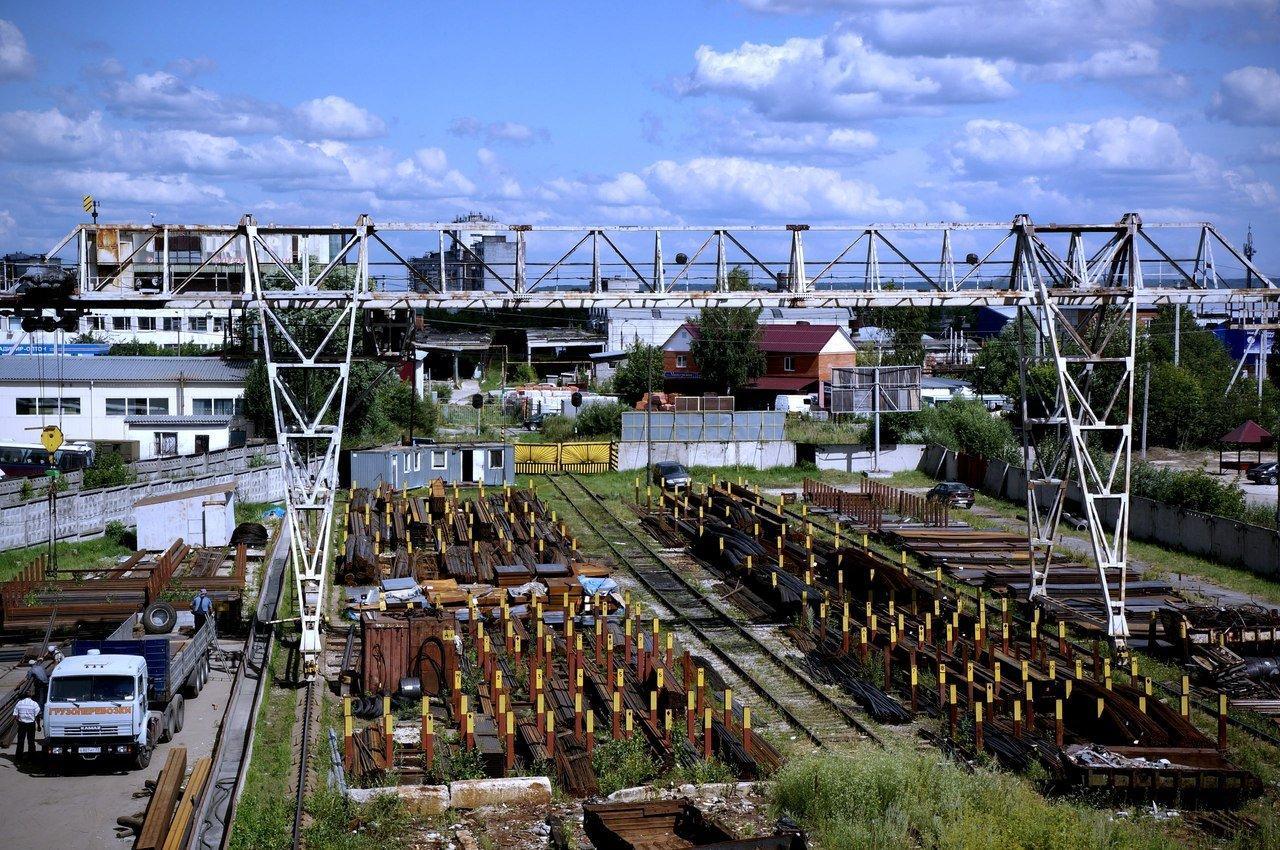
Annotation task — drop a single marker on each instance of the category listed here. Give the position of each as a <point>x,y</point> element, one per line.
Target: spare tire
<point>159,618</point>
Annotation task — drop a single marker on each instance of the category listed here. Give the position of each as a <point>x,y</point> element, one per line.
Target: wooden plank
<point>155,825</point>
<point>186,806</point>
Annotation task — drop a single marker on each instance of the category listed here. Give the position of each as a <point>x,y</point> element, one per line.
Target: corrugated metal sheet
<point>122,370</point>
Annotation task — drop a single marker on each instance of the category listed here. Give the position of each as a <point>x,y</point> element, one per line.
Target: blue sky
<point>766,111</point>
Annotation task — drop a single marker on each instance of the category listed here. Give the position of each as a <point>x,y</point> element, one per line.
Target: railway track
<point>304,755</point>
<point>726,638</point>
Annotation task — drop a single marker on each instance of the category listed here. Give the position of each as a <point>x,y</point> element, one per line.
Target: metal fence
<point>581,458</point>
<point>705,426</point>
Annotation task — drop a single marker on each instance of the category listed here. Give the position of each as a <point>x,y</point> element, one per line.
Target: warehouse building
<point>141,407</point>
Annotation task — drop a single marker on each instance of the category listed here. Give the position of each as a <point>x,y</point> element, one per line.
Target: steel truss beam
<point>308,369</point>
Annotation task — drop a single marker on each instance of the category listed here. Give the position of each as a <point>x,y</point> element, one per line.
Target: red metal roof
<point>783,384</point>
<point>1248,434</point>
<point>787,339</point>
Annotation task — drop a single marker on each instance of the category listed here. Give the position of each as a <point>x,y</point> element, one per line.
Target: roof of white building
<point>120,370</point>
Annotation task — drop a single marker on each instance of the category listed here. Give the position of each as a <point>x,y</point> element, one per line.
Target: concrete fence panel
<point>87,513</point>
<point>1261,550</point>
<point>993,481</point>
<point>1197,533</point>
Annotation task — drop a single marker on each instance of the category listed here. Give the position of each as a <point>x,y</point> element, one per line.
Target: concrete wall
<point>761,455</point>
<point>86,513</point>
<point>858,458</point>
<point>1227,541</point>
<point>162,469</point>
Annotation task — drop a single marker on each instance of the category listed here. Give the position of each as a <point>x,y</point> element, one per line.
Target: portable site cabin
<point>204,516</point>
<point>418,465</point>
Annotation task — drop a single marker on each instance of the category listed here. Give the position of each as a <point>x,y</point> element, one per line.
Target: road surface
<point>78,810</point>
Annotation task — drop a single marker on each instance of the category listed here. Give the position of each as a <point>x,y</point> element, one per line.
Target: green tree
<point>727,346</point>
<point>739,279</point>
<point>107,470</point>
<point>640,372</point>
<point>600,420</point>
<point>968,427</point>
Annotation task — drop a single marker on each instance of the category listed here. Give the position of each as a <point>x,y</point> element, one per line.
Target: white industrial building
<point>142,407</point>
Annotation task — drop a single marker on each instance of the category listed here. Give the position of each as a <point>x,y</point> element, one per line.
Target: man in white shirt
<point>27,713</point>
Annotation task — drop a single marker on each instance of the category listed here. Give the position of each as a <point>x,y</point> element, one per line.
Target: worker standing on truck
<point>27,713</point>
<point>201,606</point>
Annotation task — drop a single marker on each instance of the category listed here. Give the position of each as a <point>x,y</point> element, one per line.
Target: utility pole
<point>1146,392</point>
<point>1177,333</point>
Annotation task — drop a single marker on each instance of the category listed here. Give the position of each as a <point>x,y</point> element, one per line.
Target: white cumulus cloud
<point>840,76</point>
<point>1249,96</point>
<point>16,60</point>
<point>334,117</point>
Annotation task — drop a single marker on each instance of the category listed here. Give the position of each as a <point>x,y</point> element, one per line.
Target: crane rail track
<point>721,633</point>
<point>304,754</point>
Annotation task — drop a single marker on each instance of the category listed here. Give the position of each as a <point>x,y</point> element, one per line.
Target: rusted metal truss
<point>685,265</point>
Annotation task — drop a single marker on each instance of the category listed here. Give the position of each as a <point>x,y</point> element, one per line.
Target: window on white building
<point>166,442</point>
<point>95,323</point>
<point>120,323</point>
<point>46,406</point>
<point>146,323</point>
<point>172,323</point>
<point>219,322</point>
<point>214,407</point>
<point>137,407</point>
<point>15,323</point>
<point>198,324</point>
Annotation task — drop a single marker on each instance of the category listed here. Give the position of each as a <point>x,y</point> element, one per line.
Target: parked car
<point>671,475</point>
<point>1263,473</point>
<point>534,422</point>
<point>953,493</point>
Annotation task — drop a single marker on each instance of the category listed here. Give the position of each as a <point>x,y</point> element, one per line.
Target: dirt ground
<point>529,828</point>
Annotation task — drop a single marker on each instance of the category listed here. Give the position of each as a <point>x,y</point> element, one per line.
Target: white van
<point>796,403</point>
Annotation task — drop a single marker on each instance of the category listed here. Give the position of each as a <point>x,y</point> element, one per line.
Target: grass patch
<point>900,798</point>
<point>623,764</point>
<point>264,817</point>
<point>381,824</point>
<point>80,554</point>
<point>824,432</point>
<point>253,511</point>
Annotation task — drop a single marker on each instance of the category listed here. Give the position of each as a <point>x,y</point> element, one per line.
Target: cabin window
<point>438,460</point>
<point>788,363</point>
<point>680,361</point>
<point>495,458</point>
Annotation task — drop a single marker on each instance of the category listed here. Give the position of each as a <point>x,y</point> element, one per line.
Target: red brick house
<point>797,358</point>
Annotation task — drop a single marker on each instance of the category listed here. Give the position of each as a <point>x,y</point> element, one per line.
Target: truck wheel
<point>159,618</point>
<point>179,716</point>
<point>166,733</point>
<point>191,687</point>
<point>142,759</point>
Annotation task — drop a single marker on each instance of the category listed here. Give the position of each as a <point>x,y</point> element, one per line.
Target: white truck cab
<point>97,707</point>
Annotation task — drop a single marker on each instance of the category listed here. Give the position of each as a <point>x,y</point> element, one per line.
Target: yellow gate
<point>537,458</point>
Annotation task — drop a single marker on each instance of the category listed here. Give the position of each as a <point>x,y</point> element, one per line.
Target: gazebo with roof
<point>1250,436</point>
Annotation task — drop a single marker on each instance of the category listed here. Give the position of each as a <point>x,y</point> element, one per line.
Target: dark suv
<point>953,493</point>
<point>1263,473</point>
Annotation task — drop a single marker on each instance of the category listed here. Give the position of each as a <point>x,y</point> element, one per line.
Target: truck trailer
<point>116,699</point>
